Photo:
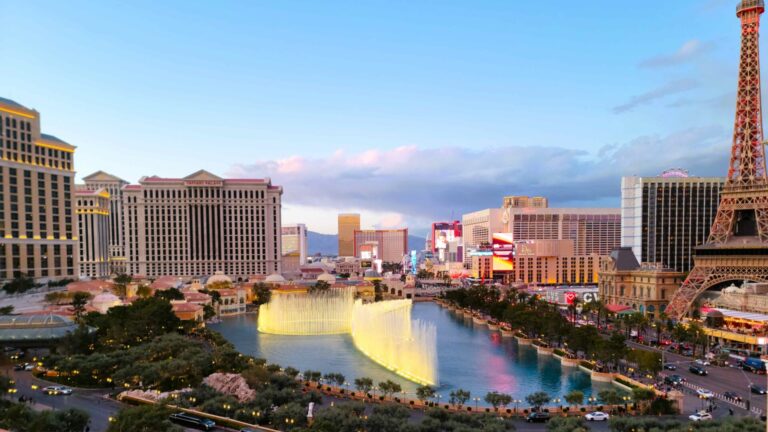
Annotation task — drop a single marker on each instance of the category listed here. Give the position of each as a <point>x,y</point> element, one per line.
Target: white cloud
<point>670,88</point>
<point>413,186</point>
<point>688,51</point>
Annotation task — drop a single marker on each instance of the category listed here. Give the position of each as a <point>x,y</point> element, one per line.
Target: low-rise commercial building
<point>645,288</point>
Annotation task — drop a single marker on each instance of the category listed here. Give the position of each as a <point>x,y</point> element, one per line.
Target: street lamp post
<point>476,399</point>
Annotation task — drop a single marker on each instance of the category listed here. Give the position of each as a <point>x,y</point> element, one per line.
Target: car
<point>19,367</point>
<point>670,366</point>
<point>674,380</point>
<point>704,393</point>
<point>702,362</point>
<point>732,396</point>
<point>57,390</point>
<point>756,389</point>
<point>698,370</point>
<point>687,352</point>
<point>537,417</point>
<point>29,366</point>
<point>192,421</point>
<point>597,416</point>
<point>700,416</point>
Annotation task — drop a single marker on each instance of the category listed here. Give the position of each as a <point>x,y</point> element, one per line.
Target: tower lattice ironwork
<point>737,247</point>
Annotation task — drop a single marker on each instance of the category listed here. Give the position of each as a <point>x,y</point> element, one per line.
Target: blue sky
<point>407,111</point>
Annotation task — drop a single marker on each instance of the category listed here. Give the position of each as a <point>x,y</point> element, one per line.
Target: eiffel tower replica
<point>737,246</point>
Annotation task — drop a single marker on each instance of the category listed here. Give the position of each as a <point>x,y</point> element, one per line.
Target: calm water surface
<point>471,357</point>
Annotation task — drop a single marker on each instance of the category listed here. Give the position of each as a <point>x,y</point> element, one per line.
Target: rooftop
<point>12,103</point>
<point>31,328</point>
<point>52,138</point>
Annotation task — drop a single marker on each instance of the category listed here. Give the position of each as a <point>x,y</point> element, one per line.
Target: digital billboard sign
<point>503,252</point>
<point>443,233</point>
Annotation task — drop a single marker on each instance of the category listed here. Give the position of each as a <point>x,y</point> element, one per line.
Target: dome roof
<point>274,278</point>
<point>218,276</point>
<point>325,277</point>
<point>714,313</point>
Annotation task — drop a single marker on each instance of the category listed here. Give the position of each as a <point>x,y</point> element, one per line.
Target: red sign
<point>570,297</point>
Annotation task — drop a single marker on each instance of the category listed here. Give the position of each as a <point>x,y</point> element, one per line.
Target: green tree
<point>79,300</point>
<point>319,287</point>
<point>170,294</point>
<point>567,424</point>
<point>143,291</point>
<point>389,387</point>
<point>340,418</point>
<point>643,395</point>
<point>261,293</point>
<point>498,399</point>
<point>574,397</point>
<point>291,372</point>
<point>610,397</point>
<point>208,312</point>
<point>142,320</point>
<point>646,360</point>
<point>537,399</point>
<point>143,418</point>
<point>56,297</point>
<point>459,397</point>
<point>6,310</point>
<point>364,384</point>
<point>425,392</point>
<point>387,418</point>
<point>377,291</point>
<point>123,279</point>
<point>291,416</point>
<point>20,284</point>
<point>311,375</point>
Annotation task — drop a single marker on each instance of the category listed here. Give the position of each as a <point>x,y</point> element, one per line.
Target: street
<point>719,381</point>
<point>91,401</point>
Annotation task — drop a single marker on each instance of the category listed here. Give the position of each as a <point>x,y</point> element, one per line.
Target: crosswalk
<point>740,404</point>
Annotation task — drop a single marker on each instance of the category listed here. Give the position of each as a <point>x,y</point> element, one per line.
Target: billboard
<point>503,252</point>
<point>444,233</point>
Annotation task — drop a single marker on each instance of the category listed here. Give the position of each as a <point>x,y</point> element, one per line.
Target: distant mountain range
<point>328,244</point>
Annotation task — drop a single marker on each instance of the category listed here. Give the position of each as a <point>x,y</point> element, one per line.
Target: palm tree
<point>598,308</point>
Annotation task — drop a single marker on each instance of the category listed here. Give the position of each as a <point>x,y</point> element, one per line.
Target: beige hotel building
<point>93,220</point>
<point>38,235</point>
<point>201,224</point>
<point>114,186</point>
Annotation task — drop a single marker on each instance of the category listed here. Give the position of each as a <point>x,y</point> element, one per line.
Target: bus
<point>754,365</point>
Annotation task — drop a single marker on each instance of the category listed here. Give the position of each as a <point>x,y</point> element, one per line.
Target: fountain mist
<point>383,331</point>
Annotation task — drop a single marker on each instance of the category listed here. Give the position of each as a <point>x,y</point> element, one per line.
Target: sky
<point>407,112</point>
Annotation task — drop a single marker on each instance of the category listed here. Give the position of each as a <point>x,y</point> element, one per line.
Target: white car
<point>702,362</point>
<point>597,416</point>
<point>704,393</point>
<point>57,390</point>
<point>700,416</point>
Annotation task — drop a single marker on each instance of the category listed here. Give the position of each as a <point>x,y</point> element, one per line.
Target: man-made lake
<point>470,357</point>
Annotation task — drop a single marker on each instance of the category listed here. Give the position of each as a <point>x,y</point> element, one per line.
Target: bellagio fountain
<point>383,331</point>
